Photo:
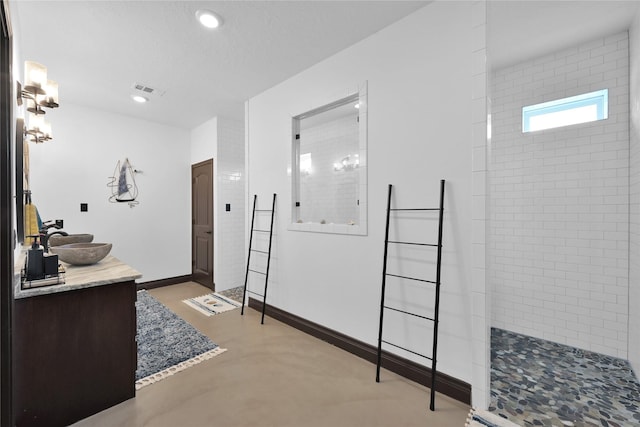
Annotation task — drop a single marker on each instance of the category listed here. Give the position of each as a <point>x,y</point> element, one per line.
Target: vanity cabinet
<point>74,353</point>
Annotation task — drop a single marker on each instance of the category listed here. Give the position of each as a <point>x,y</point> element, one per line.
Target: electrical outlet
<point>84,207</point>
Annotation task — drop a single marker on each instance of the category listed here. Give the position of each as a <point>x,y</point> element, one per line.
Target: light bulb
<point>208,18</point>
<point>35,77</point>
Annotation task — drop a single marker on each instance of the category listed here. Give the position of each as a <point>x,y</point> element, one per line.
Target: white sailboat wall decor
<point>123,184</point>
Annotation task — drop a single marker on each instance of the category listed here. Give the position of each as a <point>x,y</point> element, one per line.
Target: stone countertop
<point>109,270</point>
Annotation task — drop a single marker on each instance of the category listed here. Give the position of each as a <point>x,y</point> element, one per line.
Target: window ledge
<point>316,227</point>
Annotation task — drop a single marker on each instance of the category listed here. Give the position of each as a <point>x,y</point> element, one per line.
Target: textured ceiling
<point>96,50</point>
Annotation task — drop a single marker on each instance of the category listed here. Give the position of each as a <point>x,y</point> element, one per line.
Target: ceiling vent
<point>147,90</point>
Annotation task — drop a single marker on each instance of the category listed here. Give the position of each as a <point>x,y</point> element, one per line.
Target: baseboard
<point>152,284</point>
<point>445,384</point>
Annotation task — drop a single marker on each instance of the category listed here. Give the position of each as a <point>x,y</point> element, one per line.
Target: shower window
<point>329,167</point>
<point>588,107</point>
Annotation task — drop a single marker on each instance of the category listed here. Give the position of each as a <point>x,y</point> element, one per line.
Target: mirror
<point>329,167</point>
<point>20,178</point>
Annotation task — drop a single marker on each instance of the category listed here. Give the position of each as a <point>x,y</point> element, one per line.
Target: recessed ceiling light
<point>208,18</point>
<point>139,98</point>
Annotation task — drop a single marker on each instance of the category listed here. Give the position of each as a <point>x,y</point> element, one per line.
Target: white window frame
<point>598,99</point>
<point>361,227</point>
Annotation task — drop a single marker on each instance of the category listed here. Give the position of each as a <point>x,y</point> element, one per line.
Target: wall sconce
<point>38,92</point>
<point>39,130</point>
<point>346,164</point>
<point>305,164</point>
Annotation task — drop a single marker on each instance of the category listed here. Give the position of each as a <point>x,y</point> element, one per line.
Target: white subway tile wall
<point>634,198</point>
<point>479,293</point>
<point>231,184</point>
<point>327,194</point>
<point>559,210</point>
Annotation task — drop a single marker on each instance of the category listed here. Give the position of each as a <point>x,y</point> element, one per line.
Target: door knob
<point>209,232</point>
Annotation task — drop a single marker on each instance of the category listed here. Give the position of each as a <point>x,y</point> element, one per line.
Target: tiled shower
<point>559,233</point>
<point>560,200</point>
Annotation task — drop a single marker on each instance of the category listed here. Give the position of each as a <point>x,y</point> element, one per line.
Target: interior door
<point>202,220</point>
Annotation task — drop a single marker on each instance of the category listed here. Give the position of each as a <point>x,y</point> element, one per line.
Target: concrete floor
<point>274,375</point>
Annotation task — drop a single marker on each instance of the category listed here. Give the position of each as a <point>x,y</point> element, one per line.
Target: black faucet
<point>44,238</point>
<point>46,225</point>
<point>44,232</point>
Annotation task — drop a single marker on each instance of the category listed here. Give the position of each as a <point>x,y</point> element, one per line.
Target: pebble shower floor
<point>535,382</point>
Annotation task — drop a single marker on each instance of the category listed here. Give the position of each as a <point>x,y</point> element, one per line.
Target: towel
<point>32,221</point>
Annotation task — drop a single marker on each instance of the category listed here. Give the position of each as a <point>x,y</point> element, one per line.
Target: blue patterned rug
<point>166,343</point>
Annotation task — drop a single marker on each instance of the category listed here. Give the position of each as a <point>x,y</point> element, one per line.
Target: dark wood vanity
<point>74,345</point>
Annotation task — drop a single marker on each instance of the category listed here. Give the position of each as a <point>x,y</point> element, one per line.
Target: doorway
<point>202,223</point>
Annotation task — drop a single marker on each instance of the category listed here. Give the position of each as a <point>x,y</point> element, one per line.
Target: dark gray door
<point>202,220</point>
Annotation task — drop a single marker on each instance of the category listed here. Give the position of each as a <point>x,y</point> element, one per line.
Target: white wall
<point>222,140</point>
<point>204,141</point>
<point>634,198</point>
<point>560,200</point>
<point>419,91</point>
<point>74,167</point>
